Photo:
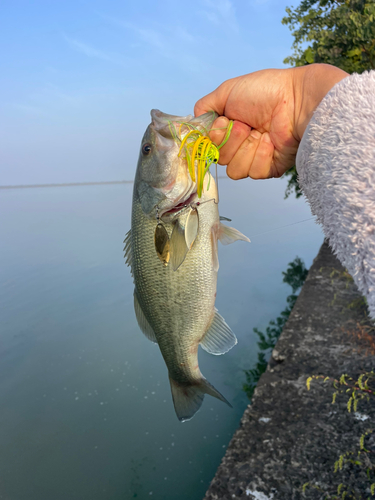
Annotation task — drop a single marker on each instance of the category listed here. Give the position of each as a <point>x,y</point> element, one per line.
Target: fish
<point>172,251</point>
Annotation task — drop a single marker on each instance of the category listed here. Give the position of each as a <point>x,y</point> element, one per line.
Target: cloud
<point>149,36</point>
<point>90,51</point>
<point>222,12</point>
<point>164,42</point>
<point>33,110</point>
<point>56,91</point>
<point>182,34</point>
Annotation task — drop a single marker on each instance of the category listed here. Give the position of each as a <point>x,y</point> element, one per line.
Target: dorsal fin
<point>219,338</point>
<point>128,249</point>
<point>144,325</point>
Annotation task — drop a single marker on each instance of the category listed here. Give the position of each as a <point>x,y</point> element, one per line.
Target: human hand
<point>271,109</point>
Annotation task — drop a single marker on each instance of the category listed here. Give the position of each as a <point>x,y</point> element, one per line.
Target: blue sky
<point>80,77</point>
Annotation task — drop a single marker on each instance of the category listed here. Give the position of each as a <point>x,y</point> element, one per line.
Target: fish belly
<point>178,305</point>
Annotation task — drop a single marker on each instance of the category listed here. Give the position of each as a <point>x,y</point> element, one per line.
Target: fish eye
<point>146,149</point>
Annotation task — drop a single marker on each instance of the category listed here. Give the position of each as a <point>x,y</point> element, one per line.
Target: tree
<point>337,32</point>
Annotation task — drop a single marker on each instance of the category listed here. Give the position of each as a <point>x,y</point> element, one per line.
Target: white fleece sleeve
<point>336,171</point>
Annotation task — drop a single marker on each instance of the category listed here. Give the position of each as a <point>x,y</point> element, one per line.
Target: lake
<point>86,409</point>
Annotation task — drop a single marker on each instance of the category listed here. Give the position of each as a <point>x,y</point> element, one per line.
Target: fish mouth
<point>181,205</point>
<point>161,120</point>
<point>178,189</point>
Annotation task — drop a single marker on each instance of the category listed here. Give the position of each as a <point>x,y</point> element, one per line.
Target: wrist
<point>311,84</point>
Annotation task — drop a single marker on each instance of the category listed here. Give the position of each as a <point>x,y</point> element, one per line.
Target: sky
<point>79,77</point>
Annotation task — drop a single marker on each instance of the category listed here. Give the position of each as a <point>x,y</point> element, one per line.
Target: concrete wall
<point>288,435</point>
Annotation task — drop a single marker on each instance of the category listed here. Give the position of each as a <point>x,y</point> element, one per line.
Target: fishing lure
<point>200,152</point>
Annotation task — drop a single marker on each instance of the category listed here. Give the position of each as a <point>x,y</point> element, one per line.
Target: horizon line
<point>64,184</point>
<point>70,184</point>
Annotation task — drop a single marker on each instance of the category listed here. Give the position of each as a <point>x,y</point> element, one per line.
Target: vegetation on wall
<point>360,461</point>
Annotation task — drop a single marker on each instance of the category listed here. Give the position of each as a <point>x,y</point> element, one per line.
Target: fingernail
<point>266,138</point>
<point>221,122</point>
<point>254,133</point>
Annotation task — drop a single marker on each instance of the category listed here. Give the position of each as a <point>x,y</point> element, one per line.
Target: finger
<point>211,102</point>
<point>262,164</point>
<point>238,134</point>
<point>219,129</point>
<point>216,100</point>
<point>239,166</point>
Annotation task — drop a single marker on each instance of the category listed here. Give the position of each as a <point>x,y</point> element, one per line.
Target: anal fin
<point>219,338</point>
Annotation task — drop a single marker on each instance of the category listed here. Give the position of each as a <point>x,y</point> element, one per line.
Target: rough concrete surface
<point>289,436</point>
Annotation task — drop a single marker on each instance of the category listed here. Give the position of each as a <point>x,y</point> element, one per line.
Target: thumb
<point>216,100</point>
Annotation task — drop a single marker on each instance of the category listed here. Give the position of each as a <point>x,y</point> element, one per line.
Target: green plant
<point>337,32</point>
<point>361,389</point>
<point>294,276</point>
<point>293,186</point>
<point>341,275</point>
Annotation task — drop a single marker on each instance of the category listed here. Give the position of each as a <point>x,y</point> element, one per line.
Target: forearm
<point>336,169</point>
<point>311,84</point>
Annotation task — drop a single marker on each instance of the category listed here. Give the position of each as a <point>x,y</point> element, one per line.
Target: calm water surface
<point>86,410</point>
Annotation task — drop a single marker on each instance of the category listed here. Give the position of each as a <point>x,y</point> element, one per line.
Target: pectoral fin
<point>229,235</point>
<point>144,325</point>
<point>178,248</point>
<point>219,338</point>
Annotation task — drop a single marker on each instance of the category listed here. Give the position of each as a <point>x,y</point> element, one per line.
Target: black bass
<point>172,251</point>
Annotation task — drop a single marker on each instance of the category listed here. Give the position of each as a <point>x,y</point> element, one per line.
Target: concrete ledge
<point>289,436</point>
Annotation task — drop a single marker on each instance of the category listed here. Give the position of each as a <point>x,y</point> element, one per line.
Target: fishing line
<point>217,186</point>
<point>281,227</point>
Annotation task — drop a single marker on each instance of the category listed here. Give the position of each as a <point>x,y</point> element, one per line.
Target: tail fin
<point>187,399</point>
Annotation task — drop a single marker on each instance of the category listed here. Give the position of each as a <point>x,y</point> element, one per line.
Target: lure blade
<point>191,227</point>
<point>162,244</point>
<point>178,248</point>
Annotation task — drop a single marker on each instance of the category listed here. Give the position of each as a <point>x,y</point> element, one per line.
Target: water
<point>86,410</point>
